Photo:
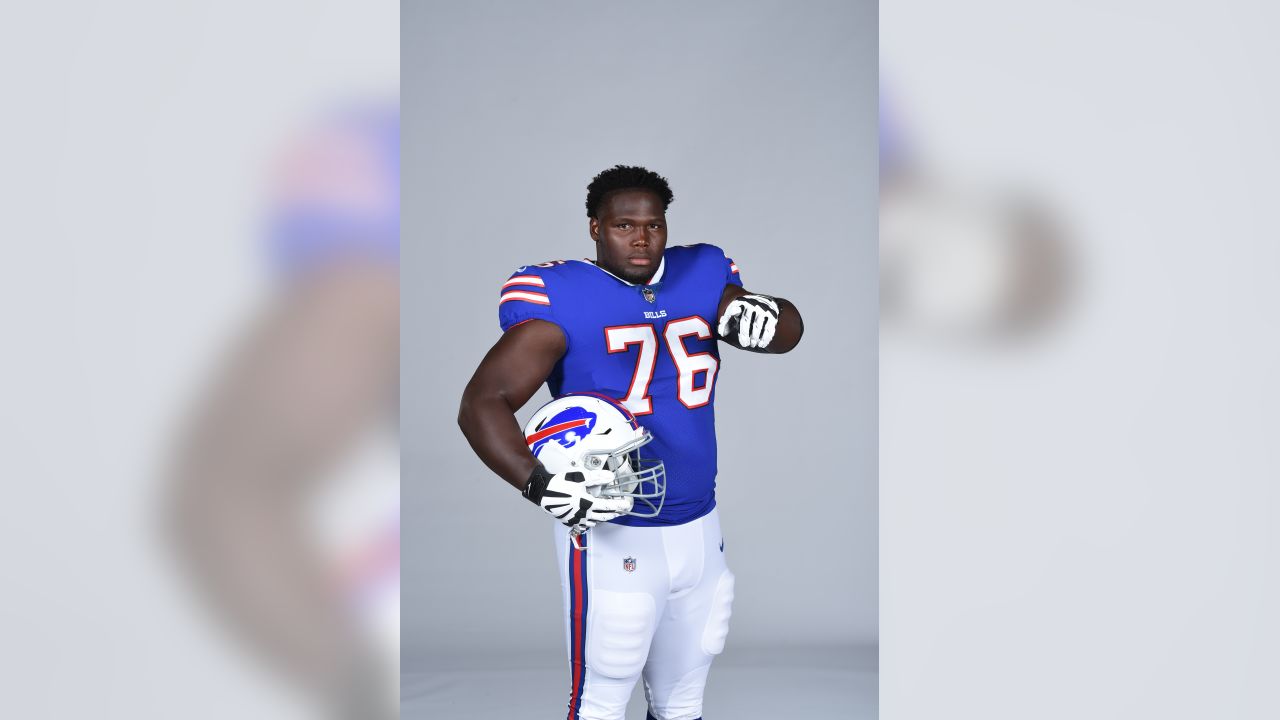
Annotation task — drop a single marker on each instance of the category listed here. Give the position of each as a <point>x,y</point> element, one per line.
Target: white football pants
<point>651,601</point>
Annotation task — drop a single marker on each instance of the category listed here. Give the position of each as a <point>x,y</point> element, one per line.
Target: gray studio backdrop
<point>763,117</point>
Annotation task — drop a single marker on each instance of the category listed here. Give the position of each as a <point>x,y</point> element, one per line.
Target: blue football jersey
<point>653,347</point>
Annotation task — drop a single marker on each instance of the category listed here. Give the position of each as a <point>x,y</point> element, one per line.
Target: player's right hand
<point>567,496</point>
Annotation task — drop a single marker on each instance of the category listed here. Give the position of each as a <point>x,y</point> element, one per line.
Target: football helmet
<point>585,431</point>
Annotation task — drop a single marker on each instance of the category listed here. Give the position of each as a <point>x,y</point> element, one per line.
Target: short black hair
<point>626,177</point>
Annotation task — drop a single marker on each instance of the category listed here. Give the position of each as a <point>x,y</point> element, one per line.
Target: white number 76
<point>621,337</point>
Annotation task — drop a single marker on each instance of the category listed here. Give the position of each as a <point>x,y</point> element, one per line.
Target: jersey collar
<point>657,276</point>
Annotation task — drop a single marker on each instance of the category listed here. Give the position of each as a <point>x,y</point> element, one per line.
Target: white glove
<point>569,499</point>
<point>752,318</point>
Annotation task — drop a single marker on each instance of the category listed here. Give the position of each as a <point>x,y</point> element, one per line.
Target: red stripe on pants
<point>578,624</point>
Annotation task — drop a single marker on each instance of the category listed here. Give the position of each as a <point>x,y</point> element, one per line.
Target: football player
<point>646,595</point>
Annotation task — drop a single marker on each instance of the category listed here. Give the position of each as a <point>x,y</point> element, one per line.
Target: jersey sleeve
<point>525,296</point>
<point>731,276</point>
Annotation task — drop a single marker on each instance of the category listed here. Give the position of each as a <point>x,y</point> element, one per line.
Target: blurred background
<point>1077,360</point>
<point>1077,357</point>
<point>200,303</point>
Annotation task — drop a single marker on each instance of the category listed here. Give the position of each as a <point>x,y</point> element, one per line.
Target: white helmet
<point>587,431</point>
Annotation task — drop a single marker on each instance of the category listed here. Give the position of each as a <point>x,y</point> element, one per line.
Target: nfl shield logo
<point>648,295</point>
<point>629,564</point>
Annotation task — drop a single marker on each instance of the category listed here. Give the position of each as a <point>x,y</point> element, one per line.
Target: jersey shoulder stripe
<point>525,280</point>
<point>530,293</point>
<point>526,284</point>
<point>711,257</point>
<point>533,297</point>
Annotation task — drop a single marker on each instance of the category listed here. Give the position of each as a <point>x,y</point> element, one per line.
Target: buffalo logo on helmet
<point>629,564</point>
<point>566,428</point>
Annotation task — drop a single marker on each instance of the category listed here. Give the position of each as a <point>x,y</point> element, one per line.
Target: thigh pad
<point>717,627</point>
<point>621,629</point>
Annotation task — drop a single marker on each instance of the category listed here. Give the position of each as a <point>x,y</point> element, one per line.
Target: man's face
<point>630,230</point>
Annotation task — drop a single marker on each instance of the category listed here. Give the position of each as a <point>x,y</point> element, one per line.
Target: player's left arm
<point>758,322</point>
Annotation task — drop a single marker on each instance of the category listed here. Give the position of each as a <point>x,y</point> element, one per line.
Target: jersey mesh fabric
<point>585,302</point>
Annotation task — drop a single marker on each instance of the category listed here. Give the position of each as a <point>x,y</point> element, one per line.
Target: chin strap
<point>575,537</point>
